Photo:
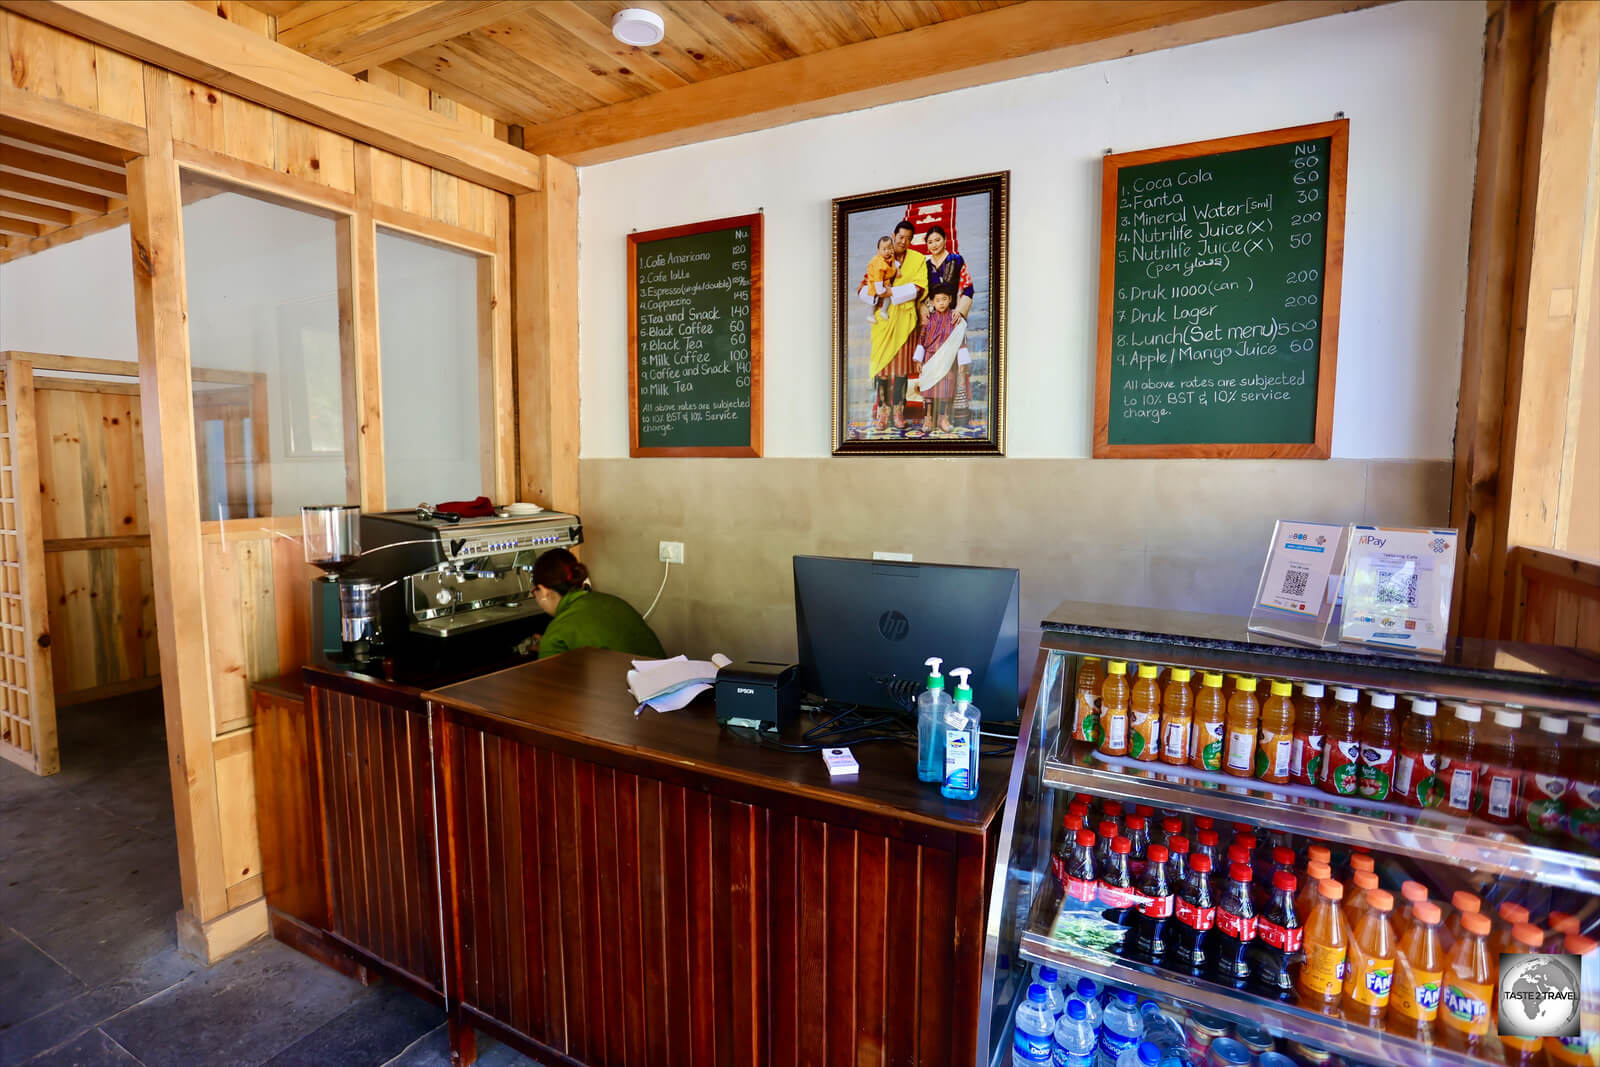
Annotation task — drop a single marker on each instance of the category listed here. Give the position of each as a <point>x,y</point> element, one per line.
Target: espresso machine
<point>438,593</point>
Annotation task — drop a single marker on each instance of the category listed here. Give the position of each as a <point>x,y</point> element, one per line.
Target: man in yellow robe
<point>894,337</point>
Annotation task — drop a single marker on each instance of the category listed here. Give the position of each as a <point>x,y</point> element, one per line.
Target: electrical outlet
<point>895,557</point>
<point>672,552</point>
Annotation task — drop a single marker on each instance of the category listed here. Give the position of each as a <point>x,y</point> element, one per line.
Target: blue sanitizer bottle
<point>932,706</point>
<point>961,742</point>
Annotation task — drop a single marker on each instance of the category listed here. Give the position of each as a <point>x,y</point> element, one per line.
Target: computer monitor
<point>860,621</point>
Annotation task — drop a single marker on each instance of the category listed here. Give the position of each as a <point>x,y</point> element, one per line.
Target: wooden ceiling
<point>49,181</point>
<point>527,63</point>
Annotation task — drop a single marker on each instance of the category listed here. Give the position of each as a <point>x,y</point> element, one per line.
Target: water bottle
<point>1145,1055</point>
<point>1160,1029</point>
<point>1121,1026</point>
<point>1087,993</point>
<point>1075,1037</point>
<point>1052,988</point>
<point>1030,1045</point>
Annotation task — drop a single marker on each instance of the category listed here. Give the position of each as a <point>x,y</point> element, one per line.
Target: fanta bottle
<point>1311,712</point>
<point>1371,970</point>
<point>1210,714</point>
<point>1502,934</point>
<point>1114,710</point>
<point>1414,893</point>
<point>1583,1050</point>
<point>1144,727</point>
<point>1244,715</point>
<point>1086,718</point>
<point>1317,872</point>
<point>1341,745</point>
<point>1418,973</point>
<point>1462,904</point>
<point>1356,902</point>
<point>1359,862</point>
<point>1525,937</point>
<point>1177,713</point>
<point>1327,944</point>
<point>1275,752</point>
<point>1469,979</point>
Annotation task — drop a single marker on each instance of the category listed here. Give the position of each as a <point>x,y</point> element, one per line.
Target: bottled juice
<point>1114,709</point>
<point>1177,713</point>
<point>1416,772</point>
<point>1317,872</point>
<point>1244,716</point>
<point>1360,862</point>
<point>1341,745</point>
<point>1469,978</point>
<point>1356,902</point>
<point>1371,971</point>
<point>1086,717</point>
<point>1210,713</point>
<point>1311,713</point>
<point>1144,726</point>
<point>1502,777</point>
<point>1418,972</point>
<point>1544,779</point>
<point>1375,779</point>
<point>1583,1050</point>
<point>1583,791</point>
<point>1525,937</point>
<point>1327,943</point>
<point>1275,754</point>
<point>1460,757</point>
<point>1319,852</point>
<point>1503,933</point>
<point>1413,893</point>
<point>1462,904</point>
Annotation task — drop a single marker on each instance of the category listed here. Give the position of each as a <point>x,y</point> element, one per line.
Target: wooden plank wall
<point>1553,599</point>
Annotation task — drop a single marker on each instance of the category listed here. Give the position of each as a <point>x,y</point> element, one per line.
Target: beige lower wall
<point>1186,534</point>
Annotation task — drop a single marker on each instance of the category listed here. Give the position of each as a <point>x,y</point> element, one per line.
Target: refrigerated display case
<point>1548,869</point>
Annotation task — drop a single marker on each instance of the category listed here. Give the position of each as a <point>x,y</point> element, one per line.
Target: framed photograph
<point>919,319</point>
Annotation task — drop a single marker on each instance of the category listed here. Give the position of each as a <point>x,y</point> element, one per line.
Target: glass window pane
<point>428,337</point>
<point>264,348</point>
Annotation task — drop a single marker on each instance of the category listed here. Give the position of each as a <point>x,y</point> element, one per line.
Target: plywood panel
<point>102,618</point>
<point>236,801</point>
<point>241,620</point>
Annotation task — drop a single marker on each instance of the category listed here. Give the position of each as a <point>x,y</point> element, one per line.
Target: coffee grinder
<point>344,608</point>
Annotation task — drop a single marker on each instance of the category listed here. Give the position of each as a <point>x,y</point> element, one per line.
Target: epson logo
<point>742,689</point>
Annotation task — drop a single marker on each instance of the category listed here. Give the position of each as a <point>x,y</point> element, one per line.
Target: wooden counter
<point>621,889</point>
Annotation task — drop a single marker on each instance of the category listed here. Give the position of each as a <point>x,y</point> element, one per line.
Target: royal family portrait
<point>919,316</point>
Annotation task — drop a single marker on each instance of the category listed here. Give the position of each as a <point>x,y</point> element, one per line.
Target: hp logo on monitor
<point>893,625</point>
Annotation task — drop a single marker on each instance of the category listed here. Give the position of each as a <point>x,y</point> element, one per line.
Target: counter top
<point>581,698</point>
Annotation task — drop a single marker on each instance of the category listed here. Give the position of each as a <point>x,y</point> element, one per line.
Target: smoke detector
<point>638,27</point>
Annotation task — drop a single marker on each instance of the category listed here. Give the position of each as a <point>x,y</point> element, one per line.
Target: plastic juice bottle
<point>1359,862</point>
<point>1416,772</point>
<point>1502,775</point>
<point>1583,1050</point>
<point>1462,904</point>
<point>1114,709</point>
<point>1144,726</point>
<point>932,706</point>
<point>1310,722</point>
<point>1244,716</point>
<point>1210,714</point>
<point>1544,779</point>
<point>1583,792</point>
<point>1177,713</point>
<point>1503,933</point>
<point>1414,893</point>
<point>1418,972</point>
<point>1275,754</point>
<point>1341,745</point>
<point>1317,872</point>
<point>1356,902</point>
<point>1460,758</point>
<point>1467,999</point>
<point>1371,971</point>
<point>1327,943</point>
<point>1086,715</point>
<point>1375,779</point>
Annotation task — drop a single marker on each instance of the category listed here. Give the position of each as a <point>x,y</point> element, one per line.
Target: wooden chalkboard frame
<point>753,449</point>
<point>1321,446</point>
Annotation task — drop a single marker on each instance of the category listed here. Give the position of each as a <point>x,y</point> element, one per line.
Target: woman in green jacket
<point>582,618</point>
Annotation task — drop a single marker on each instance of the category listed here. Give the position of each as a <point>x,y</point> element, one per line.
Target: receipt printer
<point>757,694</point>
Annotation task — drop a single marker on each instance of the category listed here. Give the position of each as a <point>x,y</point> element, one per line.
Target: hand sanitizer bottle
<point>932,706</point>
<point>961,742</point>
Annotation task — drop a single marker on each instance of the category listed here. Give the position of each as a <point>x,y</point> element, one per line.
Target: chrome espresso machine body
<point>452,595</point>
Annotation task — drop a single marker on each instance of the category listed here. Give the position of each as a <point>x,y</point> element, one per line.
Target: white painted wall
<point>1407,76</point>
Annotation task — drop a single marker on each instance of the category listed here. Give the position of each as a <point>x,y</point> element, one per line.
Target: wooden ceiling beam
<point>198,45</point>
<point>63,171</point>
<point>1010,42</point>
<point>364,35</point>
<point>27,209</point>
<point>19,227</point>
<point>52,195</point>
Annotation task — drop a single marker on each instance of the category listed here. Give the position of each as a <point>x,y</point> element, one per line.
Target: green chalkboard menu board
<point>694,339</point>
<point>1220,265</point>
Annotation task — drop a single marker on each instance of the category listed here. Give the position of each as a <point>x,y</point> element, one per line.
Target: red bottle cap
<point>1180,845</point>
<point>1239,872</point>
<point>1112,808</point>
<point>1122,846</point>
<point>1249,841</point>
<point>1108,829</point>
<point>1242,828</point>
<point>1204,822</point>
<point>1157,854</point>
<point>1283,857</point>
<point>1285,881</point>
<point>1145,810</point>
<point>1136,822</point>
<point>1238,854</point>
<point>1172,825</point>
<point>1208,838</point>
<point>1201,863</point>
<point>1072,822</point>
<point>1086,838</point>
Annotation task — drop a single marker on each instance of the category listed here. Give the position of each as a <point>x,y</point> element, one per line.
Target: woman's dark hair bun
<point>559,570</point>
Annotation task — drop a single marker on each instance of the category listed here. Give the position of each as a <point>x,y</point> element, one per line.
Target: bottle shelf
<point>1426,835</point>
<point>1331,1033</point>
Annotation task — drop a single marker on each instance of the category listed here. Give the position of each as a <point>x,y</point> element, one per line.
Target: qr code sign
<point>1294,581</point>
<point>1397,587</point>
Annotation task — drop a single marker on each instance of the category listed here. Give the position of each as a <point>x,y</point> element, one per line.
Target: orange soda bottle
<point>1319,852</point>
<point>1273,756</point>
<point>1244,716</point>
<point>1086,718</point>
<point>1414,893</point>
<point>1371,971</point>
<point>1359,861</point>
<point>1210,714</point>
<point>1356,904</point>
<point>1583,1050</point>
<point>1144,727</point>
<point>1525,937</point>
<point>1327,943</point>
<point>1502,939</point>
<point>1462,903</point>
<point>1177,713</point>
<point>1467,999</point>
<point>1418,972</point>
<point>1317,872</point>
<point>1114,710</point>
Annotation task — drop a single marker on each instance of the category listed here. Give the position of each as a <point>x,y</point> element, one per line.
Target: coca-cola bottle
<point>1278,939</point>
<point>1282,859</point>
<point>1196,912</point>
<point>1205,844</point>
<point>1177,859</point>
<point>1082,886</point>
<point>1102,847</point>
<point>1153,930</point>
<point>1171,826</point>
<point>1139,844</point>
<point>1117,895</point>
<point>1070,825</point>
<point>1236,927</point>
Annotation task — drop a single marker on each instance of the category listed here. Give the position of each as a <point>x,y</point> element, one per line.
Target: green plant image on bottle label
<point>1136,744</point>
<point>1211,756</point>
<point>1091,728</point>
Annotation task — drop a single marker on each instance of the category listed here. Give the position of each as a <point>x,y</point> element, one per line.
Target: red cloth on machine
<point>468,509</point>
